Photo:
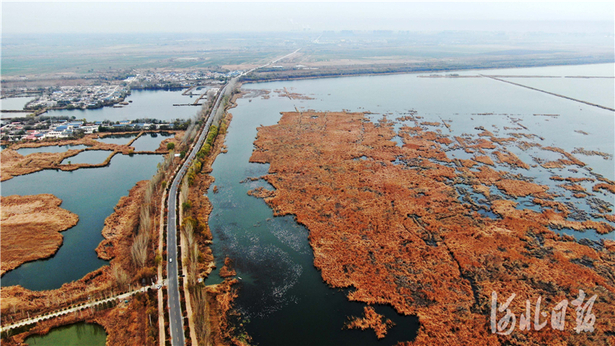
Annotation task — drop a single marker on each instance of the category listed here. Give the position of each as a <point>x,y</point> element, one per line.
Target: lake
<point>15,103</point>
<point>281,293</point>
<point>156,104</point>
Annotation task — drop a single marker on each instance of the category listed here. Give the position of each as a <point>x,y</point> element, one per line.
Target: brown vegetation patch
<point>261,192</point>
<point>582,151</point>
<point>121,225</point>
<point>132,323</point>
<point>604,186</point>
<point>30,228</point>
<point>569,156</point>
<point>571,179</point>
<point>484,159</point>
<point>400,236</point>
<point>520,188</point>
<point>608,217</point>
<point>227,270</point>
<point>220,308</point>
<point>573,187</point>
<point>511,159</point>
<point>291,95</point>
<point>371,320</point>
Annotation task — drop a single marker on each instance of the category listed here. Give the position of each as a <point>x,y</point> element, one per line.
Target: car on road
<point>170,260</point>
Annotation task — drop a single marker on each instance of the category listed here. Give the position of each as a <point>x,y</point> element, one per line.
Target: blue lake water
<point>117,139</point>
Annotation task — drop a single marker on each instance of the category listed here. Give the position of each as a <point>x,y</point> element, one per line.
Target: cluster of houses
<point>16,130</point>
<point>80,97</point>
<point>179,79</point>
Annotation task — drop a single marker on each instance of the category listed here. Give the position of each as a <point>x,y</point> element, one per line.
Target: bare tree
<point>121,277</point>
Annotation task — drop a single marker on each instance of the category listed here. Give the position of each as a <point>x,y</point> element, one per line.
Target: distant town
<point>30,123</point>
<point>46,128</point>
<point>112,89</point>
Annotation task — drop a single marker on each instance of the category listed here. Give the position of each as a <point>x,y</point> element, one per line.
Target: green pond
<point>78,334</point>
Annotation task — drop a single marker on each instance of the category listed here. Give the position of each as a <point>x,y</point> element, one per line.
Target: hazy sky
<point>201,17</point>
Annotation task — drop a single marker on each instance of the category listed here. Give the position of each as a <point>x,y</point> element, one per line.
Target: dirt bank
<point>30,228</point>
<point>401,234</point>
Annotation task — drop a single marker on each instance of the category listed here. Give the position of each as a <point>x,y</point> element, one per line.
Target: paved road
<point>176,323</point>
<point>175,312</point>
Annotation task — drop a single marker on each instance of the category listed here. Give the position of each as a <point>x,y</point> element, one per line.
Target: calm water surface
<point>157,104</point>
<point>50,149</point>
<point>150,141</point>
<point>79,334</point>
<point>117,139</point>
<point>88,156</point>
<point>14,103</point>
<point>282,294</point>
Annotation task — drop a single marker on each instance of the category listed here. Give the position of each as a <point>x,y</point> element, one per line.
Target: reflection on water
<point>150,141</point>
<point>119,139</point>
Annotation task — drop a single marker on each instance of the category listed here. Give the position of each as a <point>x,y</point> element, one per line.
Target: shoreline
<point>418,71</point>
